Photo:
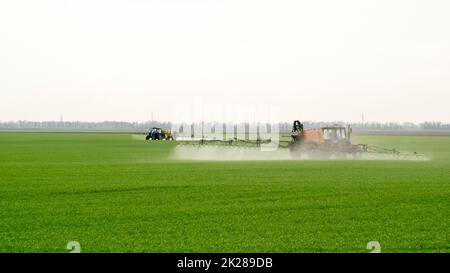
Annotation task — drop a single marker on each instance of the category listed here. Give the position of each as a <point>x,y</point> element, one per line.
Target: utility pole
<point>203,130</point>
<point>362,123</point>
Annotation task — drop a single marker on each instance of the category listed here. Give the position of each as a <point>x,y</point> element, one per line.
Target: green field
<point>117,193</point>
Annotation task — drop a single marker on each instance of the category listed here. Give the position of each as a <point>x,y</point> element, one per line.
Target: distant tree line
<point>103,125</point>
<point>379,126</point>
<point>284,126</point>
<point>435,126</point>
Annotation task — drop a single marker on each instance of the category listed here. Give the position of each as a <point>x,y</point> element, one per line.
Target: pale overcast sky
<point>317,60</point>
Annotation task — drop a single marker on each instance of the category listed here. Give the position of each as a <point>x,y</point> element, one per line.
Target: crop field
<point>118,193</point>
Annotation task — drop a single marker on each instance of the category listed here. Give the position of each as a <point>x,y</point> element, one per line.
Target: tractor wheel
<point>294,151</point>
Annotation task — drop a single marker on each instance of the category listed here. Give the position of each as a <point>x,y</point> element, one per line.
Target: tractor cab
<point>336,134</point>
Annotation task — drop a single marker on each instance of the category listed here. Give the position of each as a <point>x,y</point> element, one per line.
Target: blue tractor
<point>156,134</point>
